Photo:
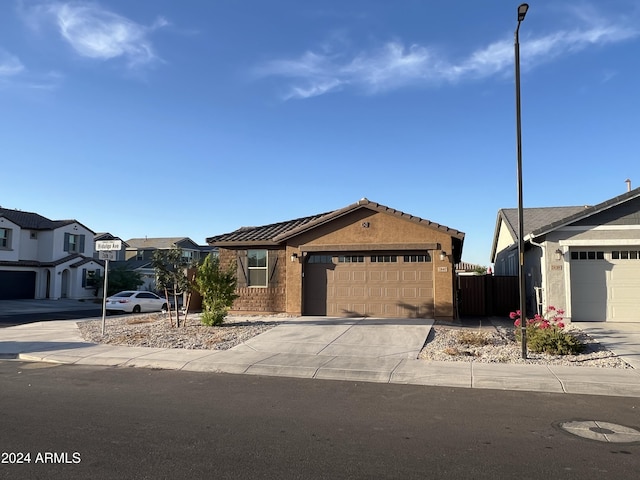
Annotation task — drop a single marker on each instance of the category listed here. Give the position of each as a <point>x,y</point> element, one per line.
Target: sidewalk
<point>60,342</point>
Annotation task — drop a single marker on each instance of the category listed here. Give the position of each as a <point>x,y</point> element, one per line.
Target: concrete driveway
<point>621,338</point>
<point>344,337</point>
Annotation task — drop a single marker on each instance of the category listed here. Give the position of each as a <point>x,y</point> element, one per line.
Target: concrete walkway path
<point>332,351</point>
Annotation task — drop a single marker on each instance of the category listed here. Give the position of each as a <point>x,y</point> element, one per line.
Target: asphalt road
<point>24,318</point>
<point>126,423</point>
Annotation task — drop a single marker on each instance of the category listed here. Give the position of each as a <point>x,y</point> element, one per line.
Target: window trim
<point>258,268</point>
<point>78,242</point>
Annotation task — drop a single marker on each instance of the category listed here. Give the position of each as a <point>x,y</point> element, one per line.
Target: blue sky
<point>194,118</point>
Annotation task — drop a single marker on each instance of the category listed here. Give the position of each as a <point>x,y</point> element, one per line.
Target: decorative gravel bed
<point>444,343</point>
<point>499,345</point>
<point>154,330</point>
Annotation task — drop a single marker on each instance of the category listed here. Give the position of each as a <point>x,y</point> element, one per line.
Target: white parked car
<point>136,301</point>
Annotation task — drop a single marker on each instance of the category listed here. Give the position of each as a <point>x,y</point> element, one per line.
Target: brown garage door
<point>380,285</point>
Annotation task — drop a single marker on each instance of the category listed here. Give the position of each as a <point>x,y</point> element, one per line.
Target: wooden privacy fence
<point>486,295</point>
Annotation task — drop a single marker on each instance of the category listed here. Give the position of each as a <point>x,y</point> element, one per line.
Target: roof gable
<point>107,236</point>
<point>586,212</point>
<point>277,233</point>
<point>540,221</point>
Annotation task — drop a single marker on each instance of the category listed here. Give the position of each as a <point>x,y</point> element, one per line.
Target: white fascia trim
<point>604,243</point>
<point>598,227</point>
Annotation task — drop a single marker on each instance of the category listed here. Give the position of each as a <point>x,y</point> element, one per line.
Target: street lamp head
<point>522,11</point>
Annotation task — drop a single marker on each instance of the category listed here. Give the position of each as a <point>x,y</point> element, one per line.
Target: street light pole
<point>522,11</point>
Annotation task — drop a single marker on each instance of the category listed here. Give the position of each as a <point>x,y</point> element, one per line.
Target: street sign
<point>107,255</point>
<point>104,245</point>
<point>106,251</point>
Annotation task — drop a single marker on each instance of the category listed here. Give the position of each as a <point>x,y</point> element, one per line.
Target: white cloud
<point>394,65</point>
<point>9,64</point>
<point>96,33</point>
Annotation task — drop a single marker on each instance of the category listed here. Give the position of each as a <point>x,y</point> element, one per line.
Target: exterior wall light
<point>558,253</point>
<point>443,255</point>
<point>294,257</point>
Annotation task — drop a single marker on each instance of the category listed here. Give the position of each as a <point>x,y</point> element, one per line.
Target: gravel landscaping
<point>498,345</point>
<point>493,344</point>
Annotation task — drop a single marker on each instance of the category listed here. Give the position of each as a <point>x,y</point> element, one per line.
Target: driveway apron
<point>344,337</point>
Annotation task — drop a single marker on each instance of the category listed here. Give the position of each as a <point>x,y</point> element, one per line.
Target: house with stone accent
<point>583,259</point>
<point>364,260</point>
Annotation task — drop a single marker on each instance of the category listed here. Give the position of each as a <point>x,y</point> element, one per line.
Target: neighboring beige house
<point>583,259</point>
<point>365,259</point>
<point>43,258</point>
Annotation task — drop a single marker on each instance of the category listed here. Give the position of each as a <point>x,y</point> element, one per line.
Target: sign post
<point>106,251</point>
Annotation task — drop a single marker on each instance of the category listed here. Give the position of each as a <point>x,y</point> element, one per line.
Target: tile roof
<point>33,221</point>
<point>278,232</point>
<point>265,233</point>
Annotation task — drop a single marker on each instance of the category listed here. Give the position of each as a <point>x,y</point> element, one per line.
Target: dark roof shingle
<point>33,221</point>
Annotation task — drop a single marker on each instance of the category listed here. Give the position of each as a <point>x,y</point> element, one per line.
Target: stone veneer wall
<point>259,299</point>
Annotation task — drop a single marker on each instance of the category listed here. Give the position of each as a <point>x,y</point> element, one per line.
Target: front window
<point>73,243</point>
<point>91,278</point>
<point>257,268</point>
<point>189,256</point>
<point>5,238</point>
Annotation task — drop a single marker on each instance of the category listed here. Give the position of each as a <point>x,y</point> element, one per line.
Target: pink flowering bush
<point>546,334</point>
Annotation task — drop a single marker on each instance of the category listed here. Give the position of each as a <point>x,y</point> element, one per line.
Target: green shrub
<point>213,318</point>
<point>546,334</point>
<point>551,340</point>
<point>217,287</point>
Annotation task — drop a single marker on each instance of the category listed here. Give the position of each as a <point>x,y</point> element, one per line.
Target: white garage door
<point>605,285</point>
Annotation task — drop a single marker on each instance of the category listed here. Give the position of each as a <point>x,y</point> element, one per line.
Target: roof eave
<point>245,243</point>
<point>588,211</point>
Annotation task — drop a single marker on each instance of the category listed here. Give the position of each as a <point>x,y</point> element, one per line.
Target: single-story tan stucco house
<point>365,259</point>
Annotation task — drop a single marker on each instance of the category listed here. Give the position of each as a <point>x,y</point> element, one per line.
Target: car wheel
<point>136,309</point>
<point>164,308</point>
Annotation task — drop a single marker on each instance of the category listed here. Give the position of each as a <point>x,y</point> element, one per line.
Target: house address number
<point>443,269</point>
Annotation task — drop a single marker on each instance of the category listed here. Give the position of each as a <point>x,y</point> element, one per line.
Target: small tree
<point>122,279</point>
<point>171,275</point>
<point>217,287</point>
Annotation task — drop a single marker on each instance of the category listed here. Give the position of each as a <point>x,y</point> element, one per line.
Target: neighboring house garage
<point>17,285</point>
<point>584,259</point>
<point>362,260</point>
<point>605,283</point>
